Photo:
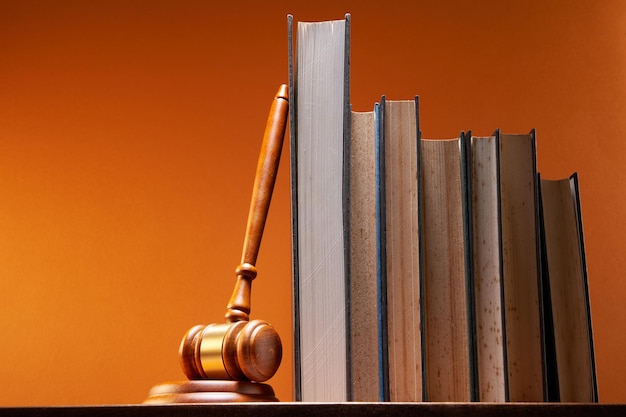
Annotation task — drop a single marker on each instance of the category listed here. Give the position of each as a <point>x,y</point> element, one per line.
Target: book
<point>446,287</point>
<point>522,268</point>
<point>365,303</point>
<point>483,155</point>
<point>426,269</point>
<point>567,293</point>
<point>319,150</point>
<point>400,254</point>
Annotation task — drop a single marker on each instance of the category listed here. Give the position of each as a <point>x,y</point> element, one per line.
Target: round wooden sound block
<point>210,391</point>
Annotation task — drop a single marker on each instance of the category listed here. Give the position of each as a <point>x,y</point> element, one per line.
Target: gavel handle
<point>238,308</point>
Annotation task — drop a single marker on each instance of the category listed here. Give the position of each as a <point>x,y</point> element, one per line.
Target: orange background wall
<point>129,134</point>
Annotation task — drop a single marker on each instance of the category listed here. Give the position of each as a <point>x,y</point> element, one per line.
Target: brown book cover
<point>448,345</point>
<point>364,296</point>
<point>571,359</point>
<point>483,156</point>
<point>522,269</point>
<point>400,263</point>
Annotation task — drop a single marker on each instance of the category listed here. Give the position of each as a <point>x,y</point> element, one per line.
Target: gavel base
<point>210,391</point>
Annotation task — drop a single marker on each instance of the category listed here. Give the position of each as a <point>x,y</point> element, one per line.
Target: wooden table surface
<point>327,410</point>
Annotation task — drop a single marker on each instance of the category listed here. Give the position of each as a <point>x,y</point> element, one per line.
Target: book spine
<point>583,258</point>
<point>346,199</point>
<point>293,142</point>
<point>505,362</point>
<point>466,185</point>
<point>540,277</point>
<point>420,246</point>
<point>381,263</point>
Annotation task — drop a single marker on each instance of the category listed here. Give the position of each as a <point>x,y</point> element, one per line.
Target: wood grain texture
<point>204,392</point>
<point>264,180</point>
<point>329,410</point>
<point>241,349</point>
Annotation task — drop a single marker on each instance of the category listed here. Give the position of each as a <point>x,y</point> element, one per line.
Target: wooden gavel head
<point>241,351</point>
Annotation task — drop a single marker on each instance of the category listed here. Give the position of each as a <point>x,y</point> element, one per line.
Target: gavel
<point>240,349</point>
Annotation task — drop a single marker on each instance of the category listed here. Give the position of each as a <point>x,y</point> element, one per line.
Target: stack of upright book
<point>426,269</point>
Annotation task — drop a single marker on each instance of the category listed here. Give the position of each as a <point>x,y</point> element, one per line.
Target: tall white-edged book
<point>320,110</point>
